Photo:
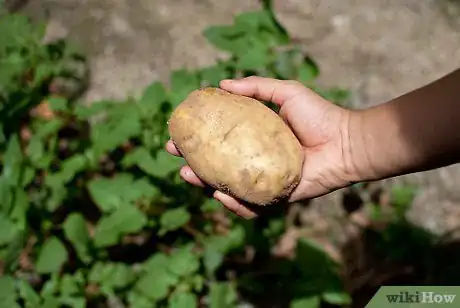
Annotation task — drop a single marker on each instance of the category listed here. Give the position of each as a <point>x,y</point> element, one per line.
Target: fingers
<point>233,205</point>
<point>230,203</point>
<point>171,148</point>
<point>265,89</point>
<point>189,176</point>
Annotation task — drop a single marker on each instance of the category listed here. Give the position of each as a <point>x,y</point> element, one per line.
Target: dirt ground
<point>377,48</point>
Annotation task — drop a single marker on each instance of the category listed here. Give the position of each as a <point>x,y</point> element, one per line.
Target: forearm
<point>415,132</point>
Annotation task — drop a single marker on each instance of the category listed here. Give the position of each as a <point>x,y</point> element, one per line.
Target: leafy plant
<point>92,209</point>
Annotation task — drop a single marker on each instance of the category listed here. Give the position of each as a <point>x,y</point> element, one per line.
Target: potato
<point>237,145</point>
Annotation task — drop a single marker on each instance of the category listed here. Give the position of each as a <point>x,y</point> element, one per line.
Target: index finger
<point>266,89</point>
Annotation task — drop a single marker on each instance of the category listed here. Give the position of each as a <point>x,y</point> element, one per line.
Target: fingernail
<point>184,172</point>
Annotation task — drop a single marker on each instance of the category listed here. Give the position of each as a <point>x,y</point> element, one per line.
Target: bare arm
<point>415,132</point>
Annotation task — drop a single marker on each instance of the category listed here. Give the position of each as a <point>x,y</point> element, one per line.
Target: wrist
<point>358,165</point>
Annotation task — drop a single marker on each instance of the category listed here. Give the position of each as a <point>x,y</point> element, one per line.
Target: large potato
<point>237,145</point>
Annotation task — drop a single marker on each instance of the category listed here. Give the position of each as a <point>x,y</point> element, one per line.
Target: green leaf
<point>58,104</point>
<point>49,128</point>
<point>136,300</point>
<point>111,276</point>
<point>147,163</point>
<point>212,259</point>
<point>10,253</point>
<point>197,282</point>
<point>126,219</point>
<point>182,83</point>
<point>8,230</point>
<point>307,302</point>
<point>156,284</point>
<point>222,295</point>
<point>35,150</point>
<point>85,112</point>
<point>173,219</point>
<point>12,161</point>
<point>74,302</point>
<point>71,285</point>
<point>226,38</point>
<point>315,264</point>
<point>28,294</point>
<point>183,300</point>
<point>153,98</point>
<point>166,163</point>
<point>123,122</point>
<point>337,298</point>
<point>263,24</point>
<point>402,197</point>
<point>58,194</point>
<point>42,72</point>
<point>159,166</point>
<point>77,233</point>
<point>308,71</point>
<point>224,244</point>
<point>52,256</point>
<point>110,194</point>
<point>70,167</point>
<point>51,286</point>
<point>211,205</point>
<point>21,204</point>
<point>50,302</point>
<point>256,57</point>
<point>212,76</point>
<point>8,295</point>
<point>183,262</point>
<point>158,260</point>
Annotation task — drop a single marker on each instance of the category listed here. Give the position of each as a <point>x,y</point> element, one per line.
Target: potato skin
<point>237,145</point>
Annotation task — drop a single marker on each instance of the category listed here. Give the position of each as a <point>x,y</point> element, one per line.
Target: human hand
<point>320,126</point>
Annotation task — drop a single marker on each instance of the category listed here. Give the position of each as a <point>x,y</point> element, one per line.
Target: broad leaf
<point>212,259</point>
<point>59,104</point>
<point>12,161</point>
<point>211,76</point>
<point>182,83</point>
<point>126,219</point>
<point>8,295</point>
<point>159,166</point>
<point>111,276</point>
<point>315,264</point>
<point>152,99</point>
<point>222,295</point>
<point>173,219</point>
<point>166,163</point>
<point>211,205</point>
<point>137,300</point>
<point>76,231</point>
<point>227,38</point>
<point>337,298</point>
<point>183,262</point>
<point>155,285</point>
<point>71,285</point>
<point>308,71</point>
<point>183,300</point>
<point>307,302</point>
<point>256,57</point>
<point>29,295</point>
<point>52,256</point>
<point>110,194</point>
<point>8,230</point>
